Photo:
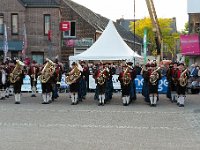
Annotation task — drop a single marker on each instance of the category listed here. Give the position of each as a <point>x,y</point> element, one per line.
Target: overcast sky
<point>115,9</point>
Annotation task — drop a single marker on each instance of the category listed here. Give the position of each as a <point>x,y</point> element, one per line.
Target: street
<point>86,126</point>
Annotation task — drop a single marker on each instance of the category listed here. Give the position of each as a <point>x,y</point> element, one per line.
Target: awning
<point>12,45</point>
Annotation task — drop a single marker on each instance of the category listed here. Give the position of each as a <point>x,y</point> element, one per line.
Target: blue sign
<point>162,86</point>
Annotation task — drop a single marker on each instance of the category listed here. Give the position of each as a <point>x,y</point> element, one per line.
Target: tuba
<point>14,76</point>
<point>126,77</point>
<point>47,71</point>
<point>154,76</point>
<point>73,77</point>
<point>101,79</point>
<point>183,78</point>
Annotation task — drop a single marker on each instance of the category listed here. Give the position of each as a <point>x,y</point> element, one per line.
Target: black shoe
<point>45,102</point>
<point>7,96</point>
<point>99,104</point>
<point>181,105</point>
<point>177,104</point>
<point>72,103</point>
<point>17,102</point>
<point>33,95</point>
<point>102,104</point>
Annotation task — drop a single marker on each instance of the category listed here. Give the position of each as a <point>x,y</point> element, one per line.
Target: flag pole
<point>5,43</point>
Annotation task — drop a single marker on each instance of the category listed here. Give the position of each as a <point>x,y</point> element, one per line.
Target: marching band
<point>12,74</point>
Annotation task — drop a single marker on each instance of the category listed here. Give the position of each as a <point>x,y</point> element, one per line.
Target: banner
<point>162,87</point>
<point>65,26</point>
<point>24,41</point>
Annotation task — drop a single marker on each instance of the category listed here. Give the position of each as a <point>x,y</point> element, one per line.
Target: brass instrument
<point>73,77</point>
<point>101,79</point>
<point>126,77</point>
<point>47,71</point>
<point>154,76</point>
<point>183,78</point>
<point>14,76</point>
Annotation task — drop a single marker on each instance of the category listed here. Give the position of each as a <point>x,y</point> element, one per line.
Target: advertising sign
<point>190,44</point>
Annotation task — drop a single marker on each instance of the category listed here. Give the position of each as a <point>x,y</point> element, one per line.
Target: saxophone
<point>154,76</point>
<point>183,78</point>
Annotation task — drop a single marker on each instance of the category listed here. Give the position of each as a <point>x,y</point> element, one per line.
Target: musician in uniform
<point>109,82</point>
<point>47,76</point>
<point>33,73</point>
<point>182,83</point>
<point>133,86</point>
<point>172,81</point>
<point>16,78</point>
<point>3,78</point>
<point>74,85</point>
<point>154,76</point>
<point>100,77</point>
<point>145,87</point>
<point>125,78</point>
<point>56,83</point>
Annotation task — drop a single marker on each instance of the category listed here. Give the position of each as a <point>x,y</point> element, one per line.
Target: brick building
<point>42,18</point>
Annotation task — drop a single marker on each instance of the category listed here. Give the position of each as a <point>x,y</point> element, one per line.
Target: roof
<point>41,3</point>
<point>99,22</point>
<point>109,46</point>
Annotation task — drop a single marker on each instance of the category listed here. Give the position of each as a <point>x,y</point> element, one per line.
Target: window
<point>14,23</point>
<point>47,23</point>
<point>72,31</point>
<point>38,57</point>
<point>1,24</point>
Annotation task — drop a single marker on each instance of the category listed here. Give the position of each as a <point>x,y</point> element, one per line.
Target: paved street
<point>86,126</point>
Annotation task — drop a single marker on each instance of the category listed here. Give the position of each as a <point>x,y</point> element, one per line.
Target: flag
<point>24,47</point>
<point>5,42</point>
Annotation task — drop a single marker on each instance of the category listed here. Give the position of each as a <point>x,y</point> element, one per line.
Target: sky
<point>116,9</point>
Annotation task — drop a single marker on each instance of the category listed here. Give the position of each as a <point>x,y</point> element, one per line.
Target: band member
<point>133,86</point>
<point>125,78</point>
<point>16,78</point>
<point>182,83</point>
<point>100,78</point>
<point>145,87</point>
<point>154,76</point>
<point>72,79</point>
<point>33,73</point>
<point>172,77</point>
<point>3,80</point>
<point>109,82</point>
<point>56,83</point>
<point>84,79</point>
<point>47,76</point>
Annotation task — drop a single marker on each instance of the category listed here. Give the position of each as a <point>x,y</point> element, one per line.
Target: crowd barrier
<point>162,88</point>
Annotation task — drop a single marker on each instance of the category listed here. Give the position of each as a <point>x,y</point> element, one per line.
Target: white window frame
<point>69,31</point>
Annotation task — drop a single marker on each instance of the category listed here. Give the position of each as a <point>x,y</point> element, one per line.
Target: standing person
<point>33,73</point>
<point>182,83</point>
<point>125,78</point>
<point>57,79</point>
<point>100,79</point>
<point>154,77</point>
<point>46,76</point>
<point>145,87</point>
<point>73,81</point>
<point>16,78</point>
<point>3,80</point>
<point>109,82</point>
<point>133,96</point>
<point>172,77</point>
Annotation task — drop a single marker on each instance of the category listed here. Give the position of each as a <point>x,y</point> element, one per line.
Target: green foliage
<point>169,36</point>
<point>186,29</point>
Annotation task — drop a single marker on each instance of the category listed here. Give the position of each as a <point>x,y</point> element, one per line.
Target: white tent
<point>109,46</point>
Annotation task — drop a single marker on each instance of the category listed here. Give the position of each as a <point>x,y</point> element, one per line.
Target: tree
<point>169,36</point>
<point>186,29</point>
